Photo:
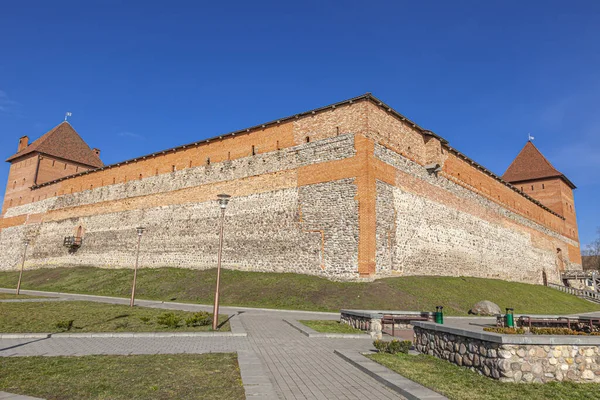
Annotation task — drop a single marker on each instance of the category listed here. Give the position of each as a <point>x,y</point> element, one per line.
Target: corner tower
<point>58,153</point>
<point>534,175</point>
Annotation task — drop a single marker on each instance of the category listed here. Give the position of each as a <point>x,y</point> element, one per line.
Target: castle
<point>351,190</point>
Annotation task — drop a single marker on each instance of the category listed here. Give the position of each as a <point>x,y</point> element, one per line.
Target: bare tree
<point>592,254</point>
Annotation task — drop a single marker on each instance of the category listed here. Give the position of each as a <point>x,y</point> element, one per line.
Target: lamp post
<point>223,199</point>
<point>26,243</point>
<point>140,231</point>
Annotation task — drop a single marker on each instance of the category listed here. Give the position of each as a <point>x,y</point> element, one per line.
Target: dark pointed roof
<point>64,142</point>
<point>530,165</point>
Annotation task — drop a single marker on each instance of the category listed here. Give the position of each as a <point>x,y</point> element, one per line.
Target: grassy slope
<point>181,376</point>
<point>303,292</point>
<point>90,317</point>
<point>459,383</point>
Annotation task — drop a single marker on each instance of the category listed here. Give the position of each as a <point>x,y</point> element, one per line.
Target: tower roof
<point>64,142</point>
<point>530,164</point>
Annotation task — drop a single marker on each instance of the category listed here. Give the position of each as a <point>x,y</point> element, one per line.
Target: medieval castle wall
<point>340,193</point>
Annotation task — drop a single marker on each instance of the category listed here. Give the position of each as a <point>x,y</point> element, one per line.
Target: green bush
<point>397,346</point>
<point>393,347</point>
<point>64,325</point>
<point>381,345</point>
<point>561,331</point>
<point>201,318</point>
<point>506,331</point>
<point>170,320</point>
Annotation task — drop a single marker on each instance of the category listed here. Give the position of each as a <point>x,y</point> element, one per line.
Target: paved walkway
<point>295,366</point>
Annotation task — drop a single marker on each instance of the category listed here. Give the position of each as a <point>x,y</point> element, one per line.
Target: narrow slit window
<point>208,161</point>
<point>253,150</point>
<point>308,139</point>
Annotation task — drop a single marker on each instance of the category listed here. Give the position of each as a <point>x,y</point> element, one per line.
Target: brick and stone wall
<point>428,224</point>
<point>272,224</point>
<point>341,193</point>
<point>553,358</point>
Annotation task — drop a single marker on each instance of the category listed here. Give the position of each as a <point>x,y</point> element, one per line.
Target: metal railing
<point>579,274</point>
<point>587,294</point>
<point>72,241</point>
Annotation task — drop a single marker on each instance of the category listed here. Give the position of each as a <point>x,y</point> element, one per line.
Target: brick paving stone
<point>293,366</point>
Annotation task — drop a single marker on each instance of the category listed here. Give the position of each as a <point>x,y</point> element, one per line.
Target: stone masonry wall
<point>429,225</point>
<point>512,362</point>
<point>271,223</point>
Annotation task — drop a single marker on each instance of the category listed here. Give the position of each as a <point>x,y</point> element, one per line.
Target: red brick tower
<point>533,174</point>
<point>58,153</point>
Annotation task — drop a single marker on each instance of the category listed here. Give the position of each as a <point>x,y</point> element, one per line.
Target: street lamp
<point>26,243</point>
<point>223,199</point>
<point>140,231</point>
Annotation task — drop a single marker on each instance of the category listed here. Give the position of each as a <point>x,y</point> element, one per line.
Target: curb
<point>407,388</point>
<point>311,333</point>
<point>257,384</point>
<point>120,335</point>
<point>12,396</point>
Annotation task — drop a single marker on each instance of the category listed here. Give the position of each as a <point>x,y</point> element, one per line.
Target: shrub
<point>397,346</point>
<point>201,318</point>
<point>393,347</point>
<point>64,325</point>
<point>381,345</point>
<point>506,331</point>
<point>170,320</point>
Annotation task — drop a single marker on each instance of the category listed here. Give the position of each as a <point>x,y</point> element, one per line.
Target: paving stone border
<point>118,335</point>
<point>42,300</point>
<point>12,396</point>
<point>256,382</point>
<point>407,388</point>
<point>311,333</point>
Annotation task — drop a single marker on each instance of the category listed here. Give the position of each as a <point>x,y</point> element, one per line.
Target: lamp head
<point>223,199</point>
<point>140,230</point>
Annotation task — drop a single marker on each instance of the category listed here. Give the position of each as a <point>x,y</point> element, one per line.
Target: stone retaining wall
<point>516,362</point>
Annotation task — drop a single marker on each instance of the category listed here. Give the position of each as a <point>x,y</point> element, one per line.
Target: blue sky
<point>145,76</point>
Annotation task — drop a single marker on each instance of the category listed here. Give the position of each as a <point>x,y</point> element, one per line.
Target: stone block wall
<point>520,363</point>
<point>429,225</point>
<point>339,192</point>
<point>272,223</point>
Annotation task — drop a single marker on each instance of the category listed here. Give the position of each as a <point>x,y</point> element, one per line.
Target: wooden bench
<point>400,319</point>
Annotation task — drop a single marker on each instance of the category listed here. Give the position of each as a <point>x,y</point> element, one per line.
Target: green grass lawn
<point>303,292</point>
<point>88,317</point>
<point>181,376</point>
<point>330,326</point>
<point>459,383</point>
